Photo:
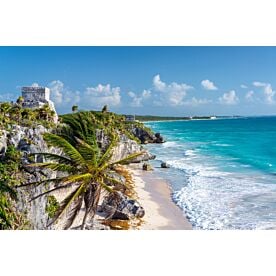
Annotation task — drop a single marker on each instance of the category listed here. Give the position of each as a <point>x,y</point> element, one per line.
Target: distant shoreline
<point>145,119</point>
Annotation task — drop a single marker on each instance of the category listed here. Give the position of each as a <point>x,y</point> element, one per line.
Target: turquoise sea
<point>223,171</point>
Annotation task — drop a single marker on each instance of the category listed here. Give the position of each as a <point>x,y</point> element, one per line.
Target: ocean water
<point>223,171</point>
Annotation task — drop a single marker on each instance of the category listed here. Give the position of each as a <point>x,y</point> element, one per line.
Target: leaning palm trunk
<point>91,201</point>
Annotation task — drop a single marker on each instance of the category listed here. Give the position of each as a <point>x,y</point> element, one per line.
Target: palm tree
<point>75,108</point>
<point>4,110</point>
<point>88,171</point>
<point>20,100</point>
<point>105,109</point>
<point>15,113</point>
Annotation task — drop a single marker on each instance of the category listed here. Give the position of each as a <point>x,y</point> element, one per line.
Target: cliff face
<point>30,140</point>
<point>124,148</point>
<point>27,141</point>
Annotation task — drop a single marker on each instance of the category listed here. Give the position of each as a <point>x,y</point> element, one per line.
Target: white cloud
<point>100,95</point>
<point>172,94</point>
<point>137,100</point>
<point>244,86</point>
<point>259,84</point>
<point>158,84</point>
<point>61,95</point>
<point>208,85</point>
<point>269,93</point>
<point>57,89</point>
<point>229,98</point>
<point>92,97</point>
<point>249,95</point>
<point>35,84</point>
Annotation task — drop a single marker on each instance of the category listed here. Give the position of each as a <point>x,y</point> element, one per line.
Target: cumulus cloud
<point>137,100</point>
<point>208,85</point>
<point>249,95</point>
<point>35,84</point>
<point>57,90</point>
<point>158,84</point>
<point>172,94</point>
<point>92,97</point>
<point>101,95</point>
<point>244,86</point>
<point>229,98</point>
<point>269,93</point>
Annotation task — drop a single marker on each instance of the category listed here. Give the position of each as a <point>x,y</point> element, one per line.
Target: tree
<point>75,108</point>
<point>105,109</point>
<point>5,108</point>
<point>88,169</point>
<point>20,100</point>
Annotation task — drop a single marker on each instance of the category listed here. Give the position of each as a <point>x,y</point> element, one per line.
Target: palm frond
<point>115,181</point>
<point>37,183</point>
<point>66,203</point>
<point>74,210</point>
<point>77,178</point>
<point>49,191</point>
<point>122,161</point>
<point>108,153</point>
<point>106,187</point>
<point>53,166</point>
<point>89,152</point>
<point>68,149</point>
<point>53,157</point>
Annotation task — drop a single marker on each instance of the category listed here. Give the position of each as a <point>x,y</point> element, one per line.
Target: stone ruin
<point>36,97</point>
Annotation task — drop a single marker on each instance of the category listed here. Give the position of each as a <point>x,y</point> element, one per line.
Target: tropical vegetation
<point>88,167</point>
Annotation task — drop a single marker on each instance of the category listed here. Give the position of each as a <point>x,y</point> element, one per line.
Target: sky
<point>175,81</point>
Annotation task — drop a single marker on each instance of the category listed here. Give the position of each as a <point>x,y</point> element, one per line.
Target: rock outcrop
<point>3,143</point>
<point>124,148</point>
<point>30,140</point>
<point>127,147</point>
<point>165,165</point>
<point>118,206</point>
<point>146,136</point>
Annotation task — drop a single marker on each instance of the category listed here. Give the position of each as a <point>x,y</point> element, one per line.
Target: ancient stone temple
<point>36,97</point>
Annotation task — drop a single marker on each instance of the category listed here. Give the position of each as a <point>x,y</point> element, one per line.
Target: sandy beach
<point>154,194</point>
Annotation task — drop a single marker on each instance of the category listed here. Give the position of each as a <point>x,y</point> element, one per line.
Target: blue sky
<point>179,81</point>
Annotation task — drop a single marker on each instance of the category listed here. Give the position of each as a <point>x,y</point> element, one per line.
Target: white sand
<point>154,195</point>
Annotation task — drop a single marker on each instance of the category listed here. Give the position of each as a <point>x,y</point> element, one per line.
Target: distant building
<point>130,118</point>
<point>36,97</point>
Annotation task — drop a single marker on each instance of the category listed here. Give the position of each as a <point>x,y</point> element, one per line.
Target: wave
<point>169,144</point>
<point>190,153</point>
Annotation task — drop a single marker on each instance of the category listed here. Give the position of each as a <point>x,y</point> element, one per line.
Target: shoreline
<point>154,194</point>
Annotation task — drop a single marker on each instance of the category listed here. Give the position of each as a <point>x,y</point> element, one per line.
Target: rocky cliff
<point>145,135</point>
<point>27,141</point>
<point>30,140</point>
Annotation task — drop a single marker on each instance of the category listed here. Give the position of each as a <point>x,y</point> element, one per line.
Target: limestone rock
<point>3,143</point>
<point>147,167</point>
<point>118,206</point>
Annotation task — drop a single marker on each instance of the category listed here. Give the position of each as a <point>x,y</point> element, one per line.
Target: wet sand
<point>154,194</point>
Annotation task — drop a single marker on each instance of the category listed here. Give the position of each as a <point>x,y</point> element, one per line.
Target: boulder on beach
<point>119,206</point>
<point>147,167</point>
<point>165,165</point>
